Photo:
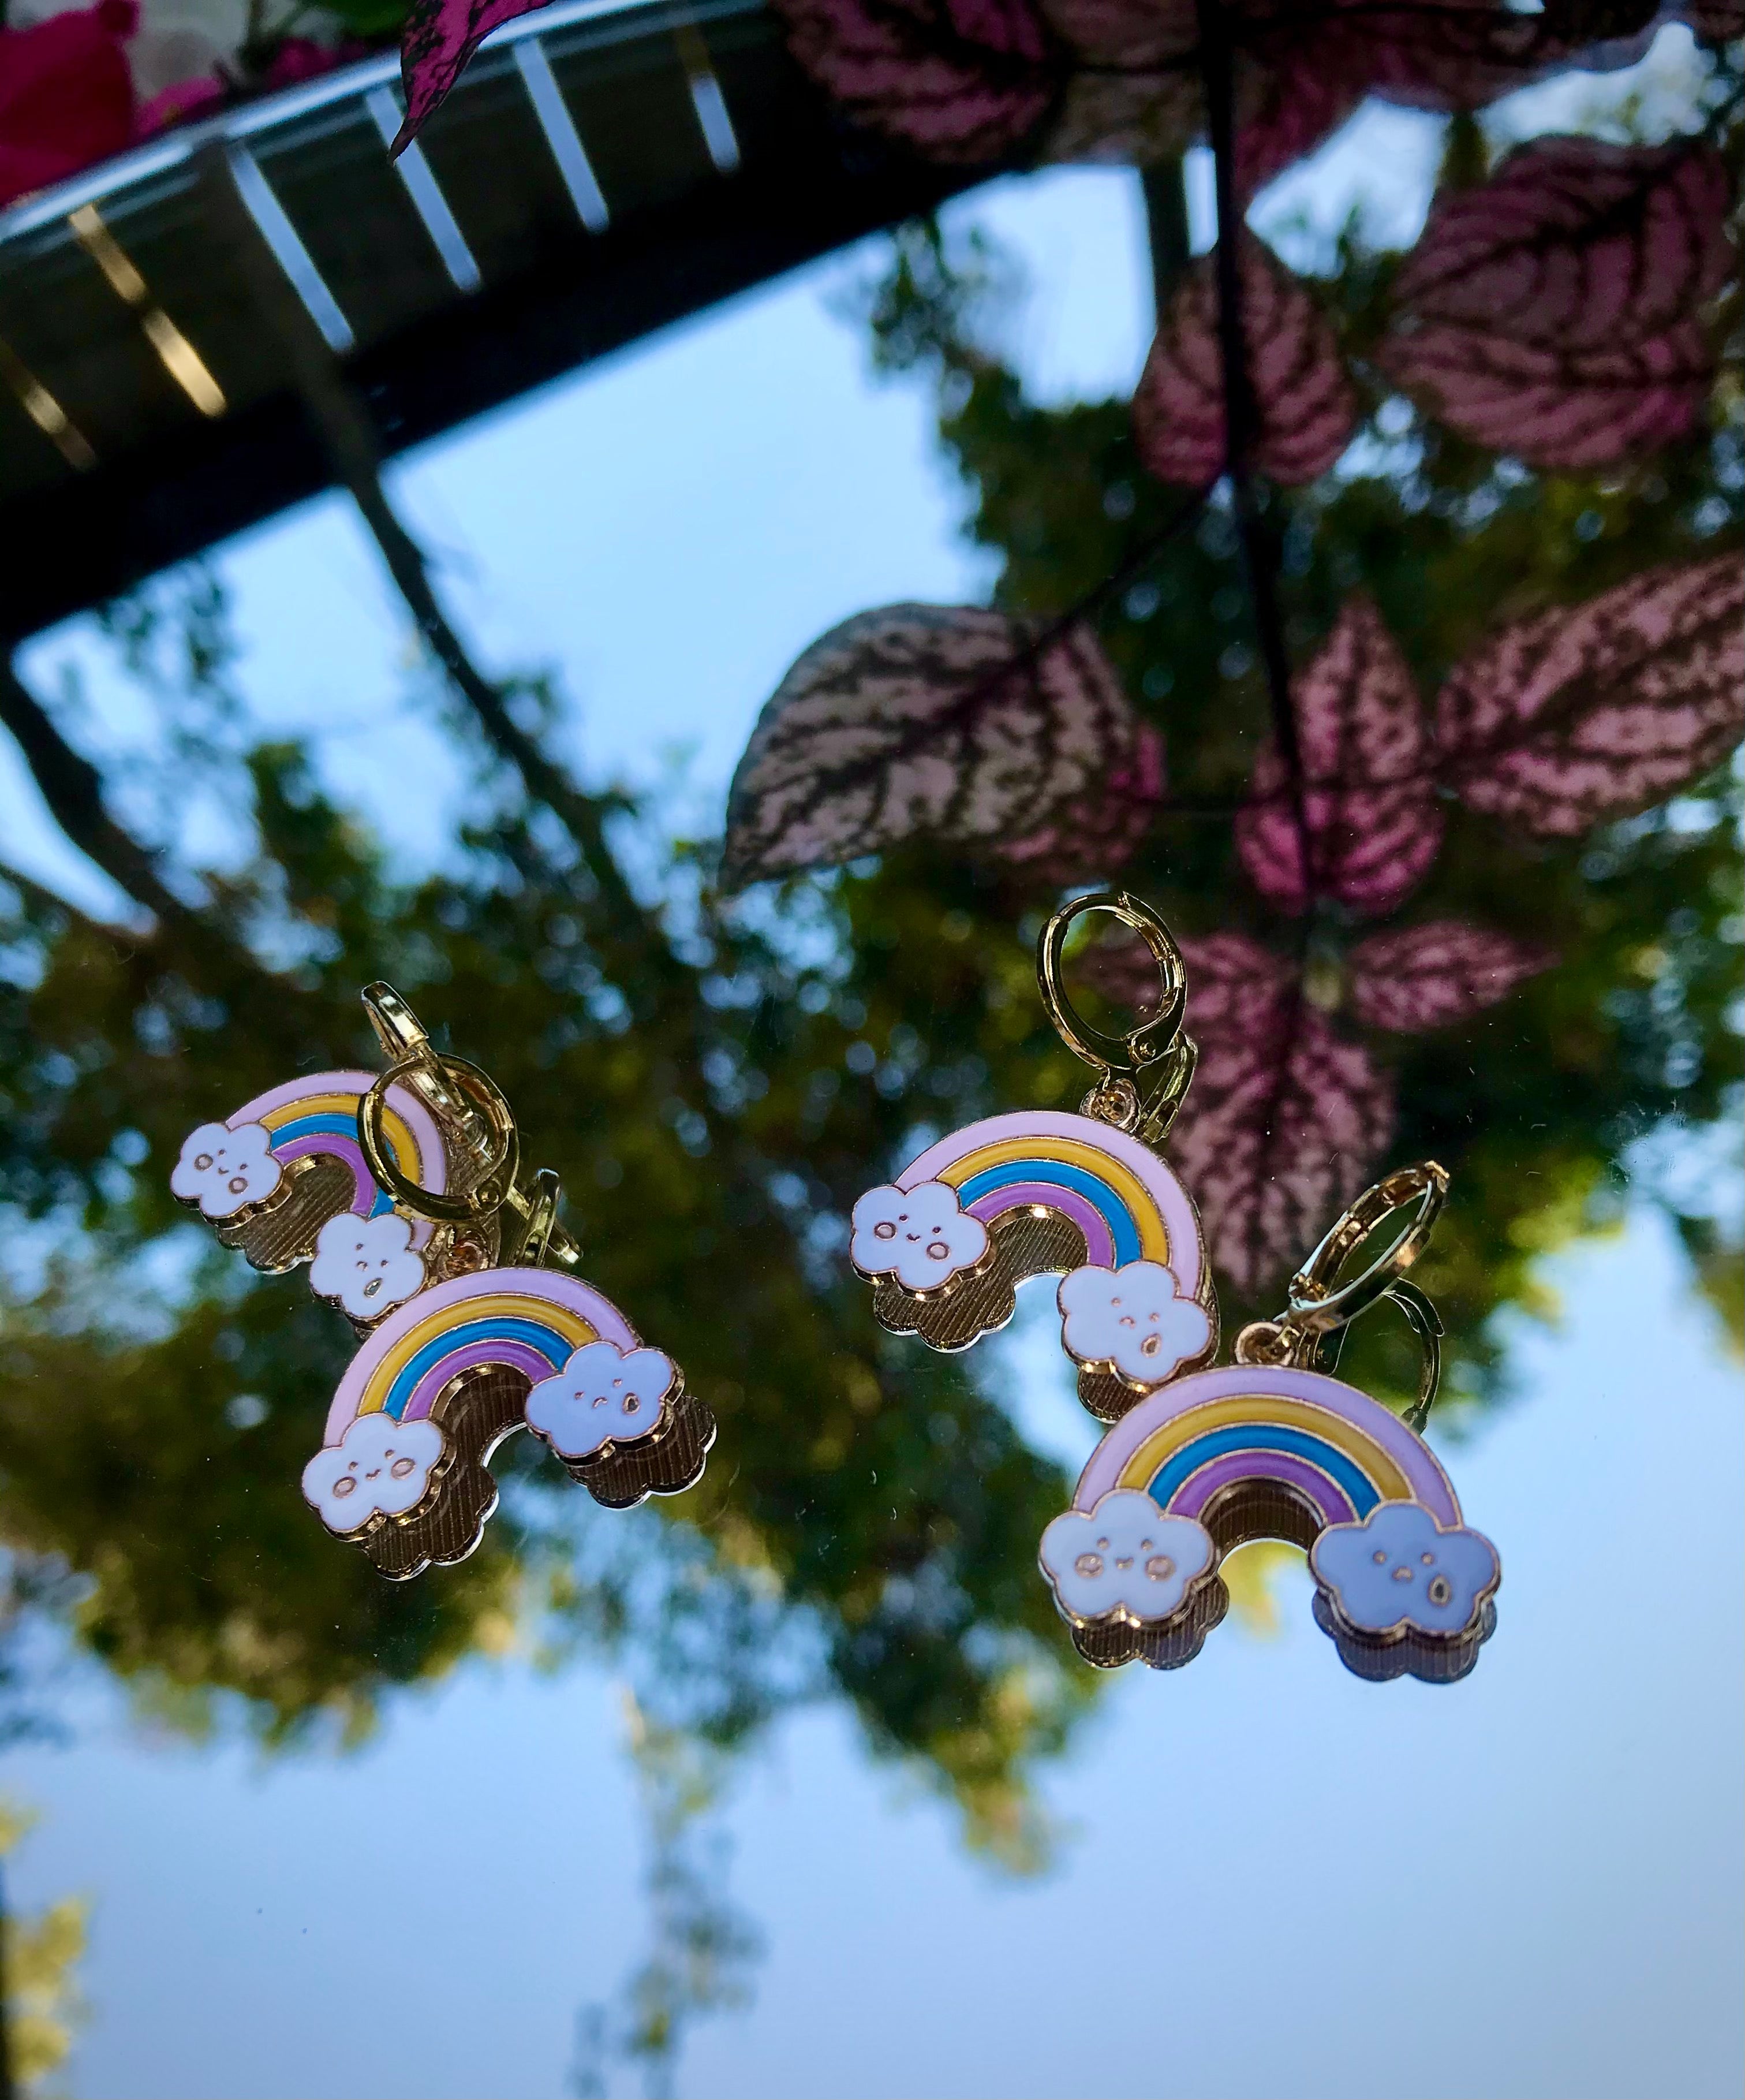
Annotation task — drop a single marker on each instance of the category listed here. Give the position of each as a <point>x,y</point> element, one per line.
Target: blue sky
<point>1275,1879</point>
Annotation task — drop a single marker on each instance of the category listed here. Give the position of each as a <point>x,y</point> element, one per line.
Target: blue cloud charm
<point>1399,1572</point>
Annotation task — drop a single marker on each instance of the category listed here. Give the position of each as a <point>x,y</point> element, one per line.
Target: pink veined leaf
<point>1421,977</point>
<point>1576,243</point>
<point>1551,312</point>
<point>1301,73</point>
<point>1598,710</point>
<point>1288,108</point>
<point>439,37</point>
<point>1124,119</point>
<point>965,81</point>
<point>1098,834</point>
<point>939,720</point>
<point>1304,404</point>
<point>1133,97</point>
<point>1367,824</point>
<point>1568,409</point>
<point>1140,36</point>
<point>1716,21</point>
<point>1285,1118</point>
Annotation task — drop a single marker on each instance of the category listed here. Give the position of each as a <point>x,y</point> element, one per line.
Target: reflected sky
<point>1257,1875</point>
<point>1268,1867</point>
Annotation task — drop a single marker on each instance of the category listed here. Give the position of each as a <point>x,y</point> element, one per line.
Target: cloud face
<point>602,1394</point>
<point>1124,1556</point>
<point>379,1464</point>
<point>1134,1317</point>
<point>221,1170</point>
<point>1400,1569</point>
<point>366,1264</point>
<point>922,1236</point>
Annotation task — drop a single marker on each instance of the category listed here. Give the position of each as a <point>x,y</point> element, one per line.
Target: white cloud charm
<point>1124,1557</point>
<point>602,1394</point>
<point>223,1169</point>
<point>368,1264</point>
<point>1135,1318</point>
<point>1398,1568</point>
<point>922,1236</point>
<point>379,1464</point>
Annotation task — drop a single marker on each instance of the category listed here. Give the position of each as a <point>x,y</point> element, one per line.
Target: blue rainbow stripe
<point>1096,1191</point>
<point>1243,1437</point>
<point>546,1341</point>
<point>336,1124</point>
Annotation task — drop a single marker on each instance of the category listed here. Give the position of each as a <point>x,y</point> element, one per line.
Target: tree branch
<point>348,436</point>
<point>73,788</point>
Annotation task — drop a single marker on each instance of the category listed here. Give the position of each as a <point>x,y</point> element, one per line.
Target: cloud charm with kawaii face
<point>380,1467</point>
<point>1399,1571</point>
<point>603,1394</point>
<point>223,1169</point>
<point>368,1264</point>
<point>1123,1560</point>
<point>922,1236</point>
<point>1134,1317</point>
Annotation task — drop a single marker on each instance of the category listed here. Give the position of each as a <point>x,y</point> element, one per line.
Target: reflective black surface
<point>1425,749</point>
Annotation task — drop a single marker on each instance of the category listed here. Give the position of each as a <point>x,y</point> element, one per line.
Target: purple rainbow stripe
<point>1100,1242</point>
<point>517,1356</point>
<point>1419,1464</point>
<point>364,1191</point>
<point>1326,1496</point>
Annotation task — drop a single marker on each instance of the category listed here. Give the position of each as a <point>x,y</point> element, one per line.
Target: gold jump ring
<point>1313,1305</point>
<point>497,1175</point>
<point>1142,1046</point>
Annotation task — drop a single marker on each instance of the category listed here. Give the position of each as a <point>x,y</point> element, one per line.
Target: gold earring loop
<point>1313,1305</point>
<point>1143,1046</point>
<point>500,1159</point>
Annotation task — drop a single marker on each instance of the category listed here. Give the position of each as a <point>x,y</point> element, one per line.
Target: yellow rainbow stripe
<point>499,1305</point>
<point>1154,1237</point>
<point>402,1143</point>
<point>1149,1458</point>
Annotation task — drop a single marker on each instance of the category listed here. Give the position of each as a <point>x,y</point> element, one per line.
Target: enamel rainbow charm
<point>1270,1447</point>
<point>1042,1193</point>
<point>399,1190</point>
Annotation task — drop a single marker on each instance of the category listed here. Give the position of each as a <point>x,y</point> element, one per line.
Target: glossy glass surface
<point>793,1784</point>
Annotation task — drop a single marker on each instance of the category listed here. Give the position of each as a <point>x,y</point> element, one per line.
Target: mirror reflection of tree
<point>1431,907</point>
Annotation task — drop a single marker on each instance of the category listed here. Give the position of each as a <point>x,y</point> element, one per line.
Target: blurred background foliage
<point>717,1077</point>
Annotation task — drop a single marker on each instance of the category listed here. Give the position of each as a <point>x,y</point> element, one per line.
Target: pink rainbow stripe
<point>1328,1498</point>
<point>1428,1482</point>
<point>1100,1242</point>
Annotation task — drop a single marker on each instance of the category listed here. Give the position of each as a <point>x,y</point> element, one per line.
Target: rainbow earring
<point>399,1189</point>
<point>1039,1192</point>
<point>1275,1447</point>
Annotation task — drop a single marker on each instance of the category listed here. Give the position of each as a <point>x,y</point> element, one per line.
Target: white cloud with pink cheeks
<point>1134,1317</point>
<point>368,1264</point>
<point>922,1236</point>
<point>223,1169</point>
<point>378,1465</point>
<point>602,1394</point>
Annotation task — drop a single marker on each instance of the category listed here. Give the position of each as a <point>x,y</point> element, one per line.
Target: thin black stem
<point>1166,229</point>
<point>1257,536</point>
